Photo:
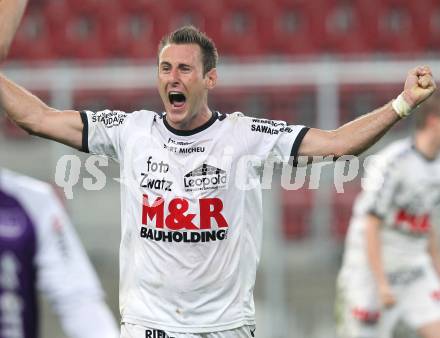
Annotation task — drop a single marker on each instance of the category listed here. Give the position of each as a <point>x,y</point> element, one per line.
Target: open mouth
<point>177,99</point>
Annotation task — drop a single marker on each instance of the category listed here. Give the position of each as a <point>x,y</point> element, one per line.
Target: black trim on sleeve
<point>85,132</point>
<point>297,143</point>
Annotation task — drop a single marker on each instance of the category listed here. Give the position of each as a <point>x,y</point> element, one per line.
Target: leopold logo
<point>205,177</point>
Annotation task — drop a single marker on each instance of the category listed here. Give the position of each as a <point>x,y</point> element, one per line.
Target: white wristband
<point>401,107</point>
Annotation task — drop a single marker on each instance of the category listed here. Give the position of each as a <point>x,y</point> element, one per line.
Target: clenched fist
<point>419,85</point>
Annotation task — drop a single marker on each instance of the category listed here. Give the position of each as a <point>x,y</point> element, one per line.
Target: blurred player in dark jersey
<point>391,265</point>
<point>40,252</point>
<point>191,222</point>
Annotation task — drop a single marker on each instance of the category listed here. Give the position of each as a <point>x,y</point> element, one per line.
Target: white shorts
<point>359,313</point>
<point>137,331</point>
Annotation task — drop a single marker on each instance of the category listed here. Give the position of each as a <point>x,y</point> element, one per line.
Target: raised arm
<point>34,116</point>
<point>11,12</point>
<point>358,135</point>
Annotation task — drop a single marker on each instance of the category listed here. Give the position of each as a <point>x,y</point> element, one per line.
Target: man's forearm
<point>373,247</point>
<point>22,107</point>
<point>358,135</point>
<point>433,250</point>
<point>11,12</point>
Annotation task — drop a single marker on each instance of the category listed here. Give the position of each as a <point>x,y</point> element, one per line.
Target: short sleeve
<point>380,185</point>
<point>273,138</point>
<point>102,132</point>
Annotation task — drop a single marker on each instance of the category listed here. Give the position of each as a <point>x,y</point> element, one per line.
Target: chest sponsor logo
<point>412,224</point>
<point>205,177</point>
<point>366,316</point>
<point>109,118</point>
<point>149,181</point>
<point>171,222</point>
<point>183,147</point>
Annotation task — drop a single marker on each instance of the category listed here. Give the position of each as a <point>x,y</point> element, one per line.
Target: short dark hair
<point>191,35</point>
<point>430,107</point>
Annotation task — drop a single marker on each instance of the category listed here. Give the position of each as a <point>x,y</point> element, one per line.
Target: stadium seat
<point>125,100</point>
<point>98,29</point>
<point>32,40</point>
<point>429,27</point>
<point>342,209</point>
<point>74,33</point>
<point>395,28</point>
<point>91,100</point>
<point>238,25</point>
<point>341,27</point>
<point>196,12</point>
<point>289,28</point>
<point>297,207</point>
<point>229,100</point>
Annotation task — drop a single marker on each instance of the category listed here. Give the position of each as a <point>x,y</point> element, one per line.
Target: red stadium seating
<point>133,34</point>
<point>295,106</point>
<point>75,32</point>
<point>342,209</point>
<point>32,41</point>
<point>395,27</point>
<point>342,27</point>
<point>428,25</point>
<point>289,27</point>
<point>102,29</point>
<point>297,208</point>
<point>237,28</point>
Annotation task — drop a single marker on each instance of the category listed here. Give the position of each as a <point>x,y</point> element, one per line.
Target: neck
<point>194,121</point>
<point>427,144</point>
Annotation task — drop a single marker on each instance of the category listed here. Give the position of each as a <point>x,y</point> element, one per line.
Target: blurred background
<point>320,63</point>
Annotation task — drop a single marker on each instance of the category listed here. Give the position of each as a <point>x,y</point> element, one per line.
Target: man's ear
<point>211,78</point>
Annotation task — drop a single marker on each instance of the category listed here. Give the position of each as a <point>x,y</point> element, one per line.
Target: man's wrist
<point>401,106</point>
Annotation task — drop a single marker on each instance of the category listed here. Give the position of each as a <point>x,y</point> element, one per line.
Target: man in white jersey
<point>190,198</point>
<point>11,12</point>
<point>39,251</point>
<point>391,264</point>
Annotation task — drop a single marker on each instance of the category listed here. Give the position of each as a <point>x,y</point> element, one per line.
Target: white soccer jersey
<point>39,251</point>
<point>191,214</point>
<point>402,187</point>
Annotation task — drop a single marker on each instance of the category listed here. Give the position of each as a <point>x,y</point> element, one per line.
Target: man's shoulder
<point>392,157</point>
<point>22,184</point>
<point>396,150</point>
<point>35,197</point>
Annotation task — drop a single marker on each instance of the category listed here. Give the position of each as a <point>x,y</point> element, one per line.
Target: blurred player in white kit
<point>391,264</point>
<point>191,234</point>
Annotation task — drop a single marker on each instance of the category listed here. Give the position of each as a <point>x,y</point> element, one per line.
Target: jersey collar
<point>179,132</point>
